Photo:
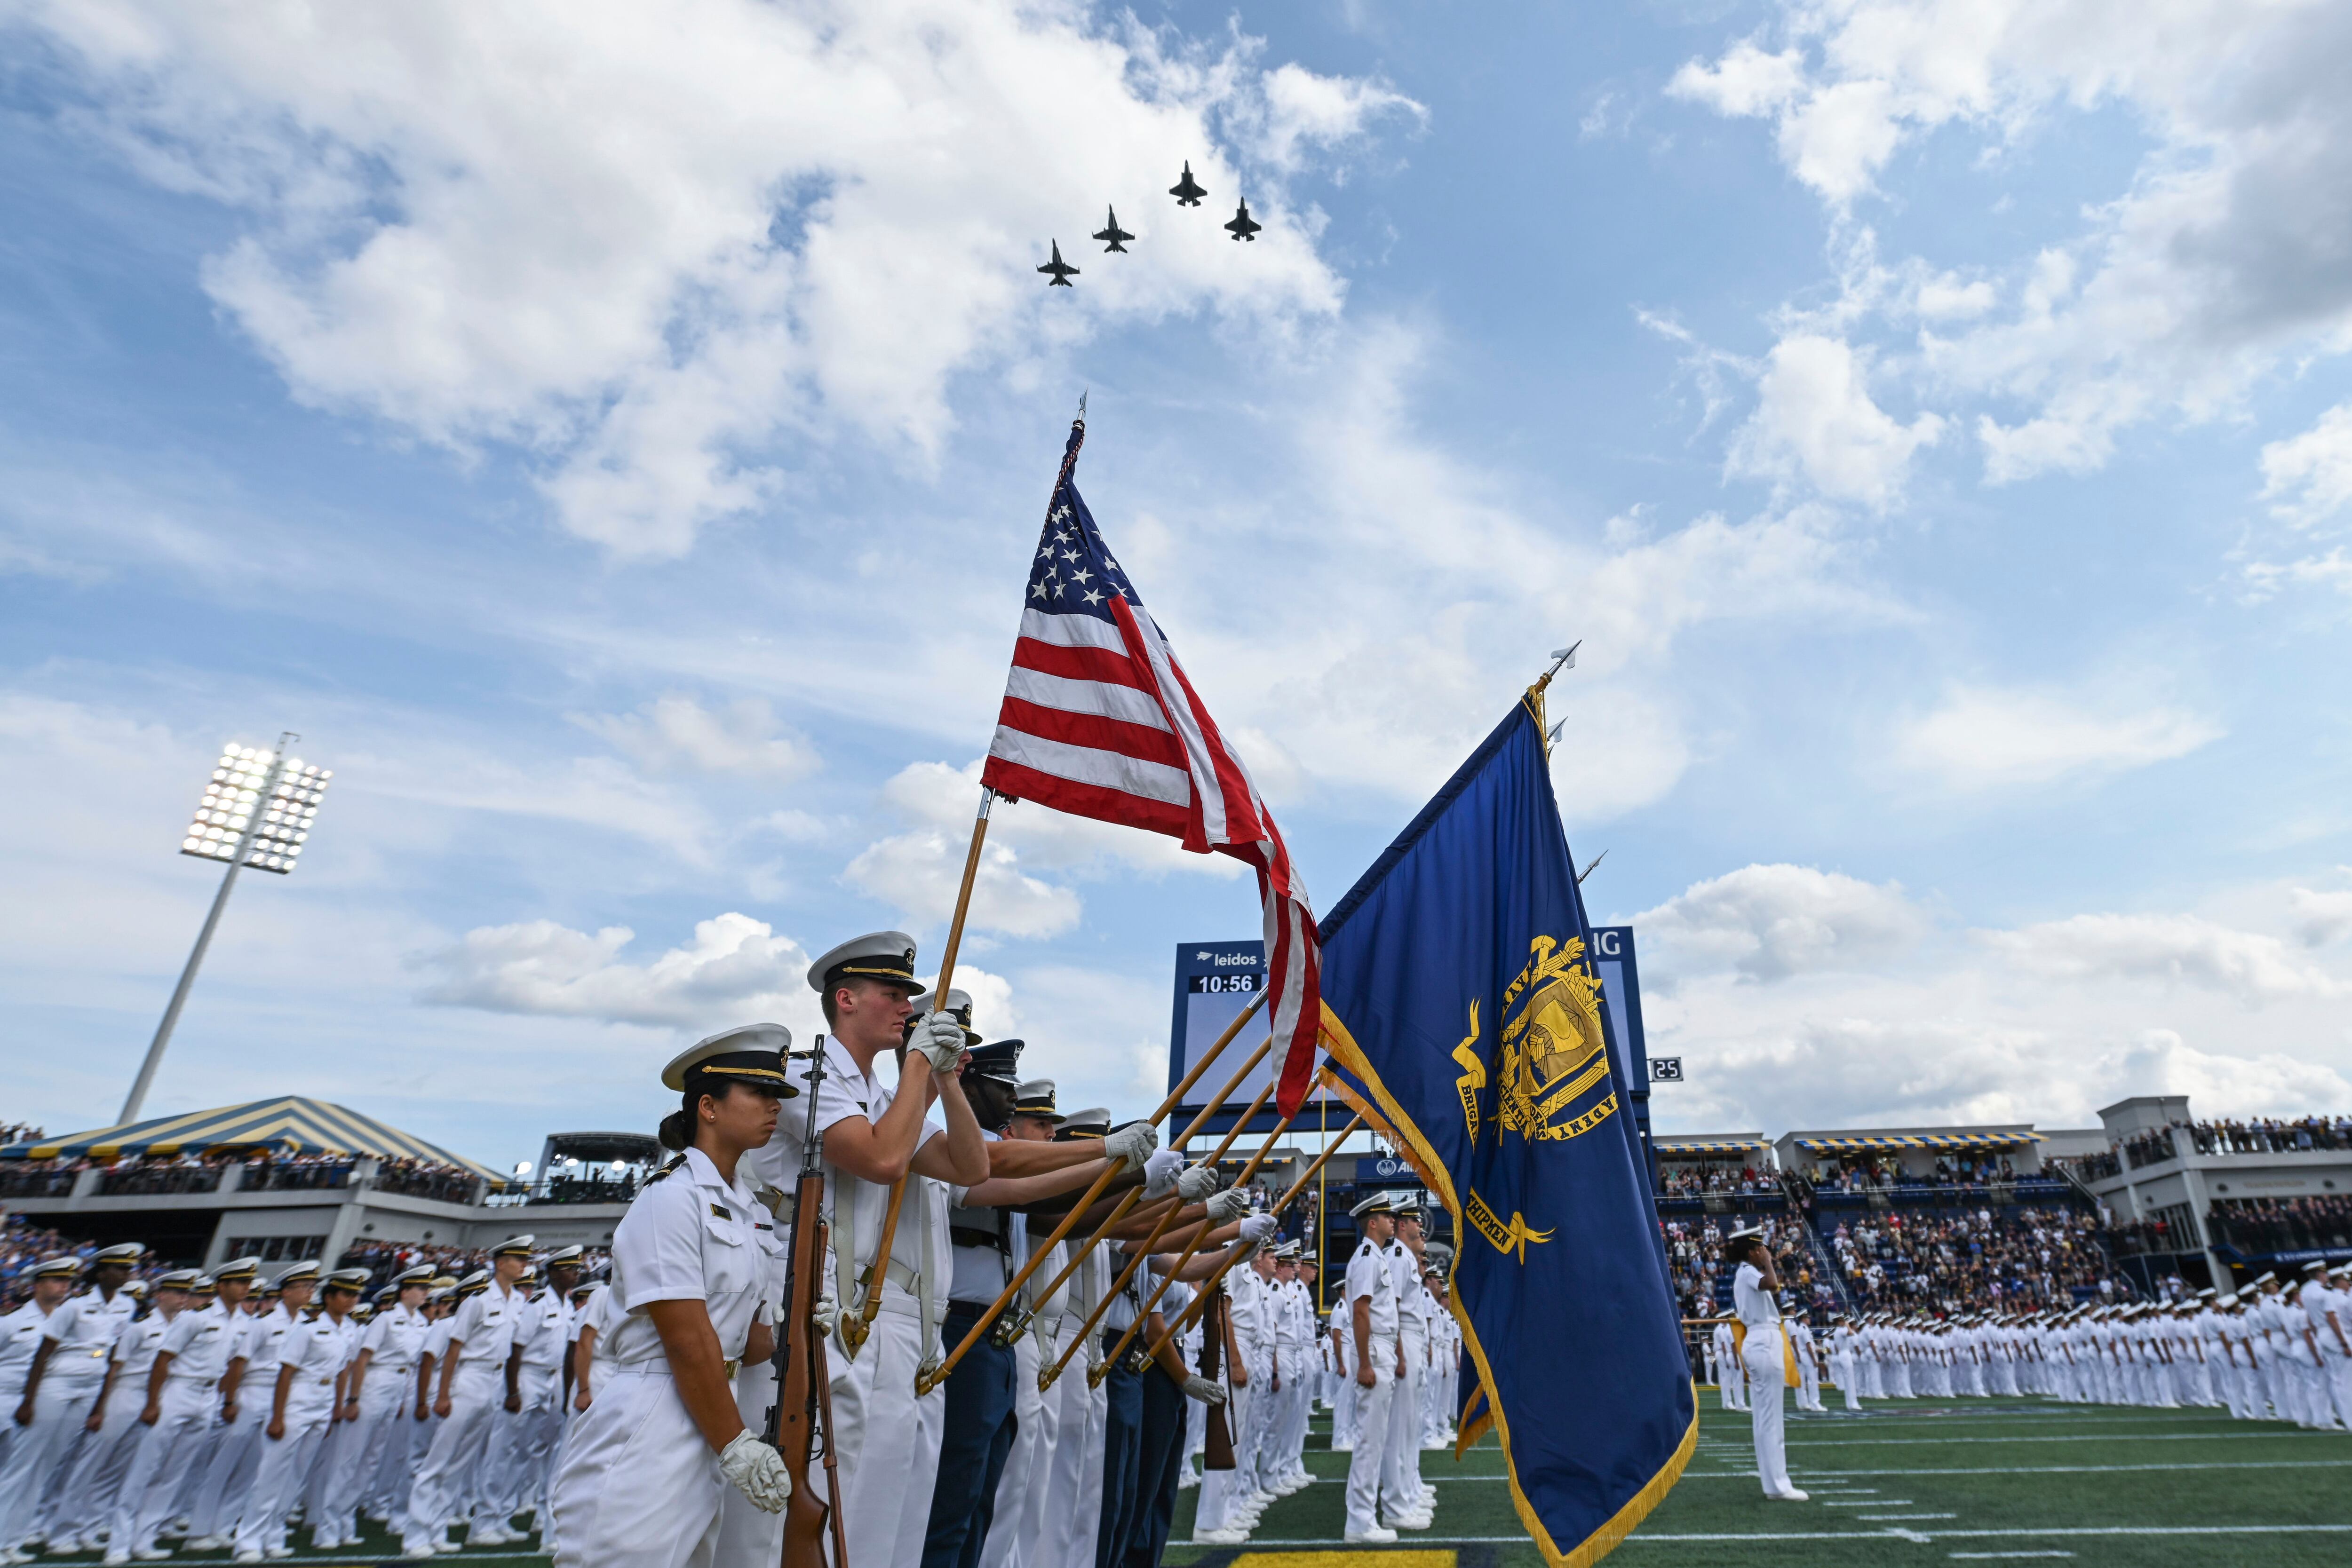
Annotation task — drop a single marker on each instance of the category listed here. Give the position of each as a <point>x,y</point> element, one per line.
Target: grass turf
<point>1912,1481</point>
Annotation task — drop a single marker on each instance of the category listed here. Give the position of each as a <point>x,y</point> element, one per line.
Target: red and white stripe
<point>1100,721</point>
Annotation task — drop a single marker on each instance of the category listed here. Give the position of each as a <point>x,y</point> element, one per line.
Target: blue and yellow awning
<point>1699,1148</point>
<point>291,1125</point>
<point>1920,1141</point>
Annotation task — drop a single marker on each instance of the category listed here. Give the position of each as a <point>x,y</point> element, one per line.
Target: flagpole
<point>1069,1221</point>
<point>853,1331</point>
<point>1094,1377</point>
<point>1167,1222</point>
<point>1209,1286</point>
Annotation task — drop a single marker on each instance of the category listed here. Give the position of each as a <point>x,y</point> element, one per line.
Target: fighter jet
<point>1060,271</point>
<point>1187,193</point>
<point>1243,226</point>
<point>1115,235</point>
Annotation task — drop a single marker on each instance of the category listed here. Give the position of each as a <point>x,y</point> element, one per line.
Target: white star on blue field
<point>619,460</point>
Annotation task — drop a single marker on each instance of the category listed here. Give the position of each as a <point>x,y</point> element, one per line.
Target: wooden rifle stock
<point>1217,1441</point>
<point>802,1390</point>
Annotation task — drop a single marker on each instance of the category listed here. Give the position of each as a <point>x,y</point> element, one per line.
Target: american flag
<point>1100,721</point>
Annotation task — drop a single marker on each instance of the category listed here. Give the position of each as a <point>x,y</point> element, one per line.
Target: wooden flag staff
<point>1095,1376</point>
<point>1167,1222</point>
<point>855,1330</point>
<point>927,1381</point>
<point>1209,1286</point>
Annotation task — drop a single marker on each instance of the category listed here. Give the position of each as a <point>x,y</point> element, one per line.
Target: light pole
<point>256,812</point>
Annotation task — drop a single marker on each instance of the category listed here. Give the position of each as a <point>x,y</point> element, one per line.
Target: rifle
<point>1217,1442</point>
<point>804,1395</point>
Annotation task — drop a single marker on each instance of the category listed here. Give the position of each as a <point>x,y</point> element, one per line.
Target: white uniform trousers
<point>1843,1373</point>
<point>1343,1399</point>
<point>212,1499</point>
<point>638,1487</point>
<point>279,1476</point>
<point>167,1451</point>
<point>1223,1491</point>
<point>1037,1512</point>
<point>1298,1375</point>
<point>1074,1489</point>
<point>358,1452</point>
<point>1809,1383</point>
<point>1364,1466</point>
<point>887,1456</point>
<point>40,1452</point>
<point>386,1491</point>
<point>749,1536</point>
<point>86,1506</point>
<point>1400,1481</point>
<point>1761,1355</point>
<point>1002,1547</point>
<point>451,1474</point>
<point>515,1462</point>
<point>1253,1439</point>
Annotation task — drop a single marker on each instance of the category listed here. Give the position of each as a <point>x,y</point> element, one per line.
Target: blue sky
<point>615,448</point>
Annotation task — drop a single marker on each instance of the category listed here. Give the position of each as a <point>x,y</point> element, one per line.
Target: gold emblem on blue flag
<point>1554,1076</point>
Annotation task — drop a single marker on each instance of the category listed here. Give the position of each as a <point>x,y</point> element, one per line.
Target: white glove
<point>825,1312</point>
<point>1206,1392</point>
<point>1131,1143</point>
<point>757,1471</point>
<point>1199,1181</point>
<point>939,1039</point>
<point>1256,1229</point>
<point>1161,1173</point>
<point>1228,1206</point>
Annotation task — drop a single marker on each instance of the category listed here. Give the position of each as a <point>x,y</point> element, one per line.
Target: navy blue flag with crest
<point>1463,1012</point>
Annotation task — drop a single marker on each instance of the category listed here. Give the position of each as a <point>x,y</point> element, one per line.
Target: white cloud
<point>677,733</point>
<point>2309,476</point>
<point>919,874</point>
<point>1305,111</point>
<point>2320,917</point>
<point>1815,419</point>
<point>1983,738</point>
<point>1773,922</point>
<point>735,970</point>
<point>501,224</point>
<point>2218,259</point>
<point>2257,969</point>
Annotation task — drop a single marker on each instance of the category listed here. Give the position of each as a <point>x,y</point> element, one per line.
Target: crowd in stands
<point>24,1243</point>
<point>1695,1256</point>
<point>21,1132</point>
<point>2271,1137</point>
<point>2151,1147</point>
<point>2099,1167</point>
<point>2023,1257</point>
<point>1868,1172</point>
<point>2282,1224</point>
<point>1685,1180</point>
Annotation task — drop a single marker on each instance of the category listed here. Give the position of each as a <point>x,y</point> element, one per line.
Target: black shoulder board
<point>675,1161</point>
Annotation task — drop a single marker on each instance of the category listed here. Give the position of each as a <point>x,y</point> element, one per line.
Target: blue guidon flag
<point>1099,720</point>
<point>1464,1014</point>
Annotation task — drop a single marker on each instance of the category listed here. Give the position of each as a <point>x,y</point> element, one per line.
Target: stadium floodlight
<point>257,812</point>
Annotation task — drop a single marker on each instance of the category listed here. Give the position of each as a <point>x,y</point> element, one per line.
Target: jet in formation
<point>1060,272</point>
<point>1187,192</point>
<point>1243,226</point>
<point>1115,238</point>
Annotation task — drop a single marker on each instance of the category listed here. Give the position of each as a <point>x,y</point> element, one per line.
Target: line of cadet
<point>619,1423</point>
<point>2277,1350</point>
<point>1060,1438</point>
<point>207,1411</point>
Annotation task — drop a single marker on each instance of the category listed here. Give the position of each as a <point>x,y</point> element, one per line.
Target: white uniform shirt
<point>1752,1301</point>
<point>1371,1278</point>
<point>85,1328</point>
<point>846,1092</point>
<point>200,1341</point>
<point>259,1343</point>
<point>981,1273</point>
<point>21,1333</point>
<point>1404,1272</point>
<point>316,1352</point>
<point>484,1328</point>
<point>543,1330</point>
<point>394,1342</point>
<point>692,1235</point>
<point>134,1351</point>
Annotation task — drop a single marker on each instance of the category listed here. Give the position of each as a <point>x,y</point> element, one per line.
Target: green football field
<point>1911,1481</point>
